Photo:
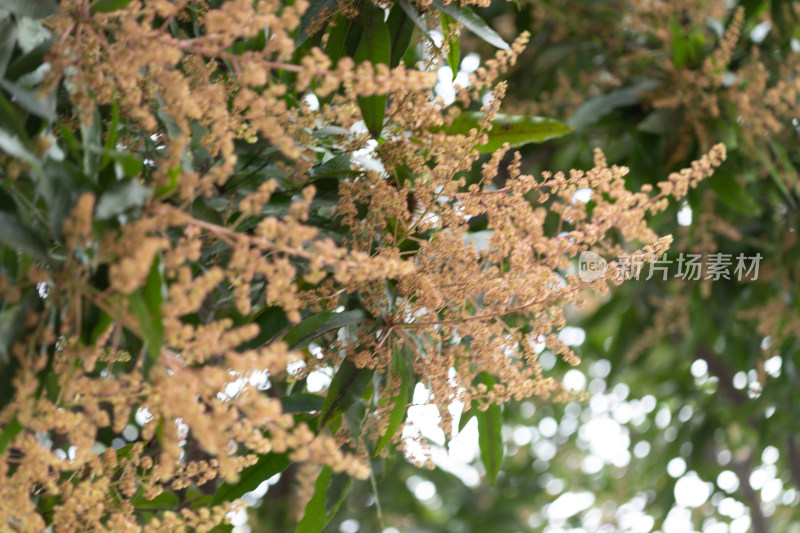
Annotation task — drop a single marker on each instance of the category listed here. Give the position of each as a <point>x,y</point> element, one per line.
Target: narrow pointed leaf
<point>8,38</point>
<point>401,28</point>
<point>146,307</point>
<point>453,51</point>
<point>8,433</point>
<point>303,402</point>
<point>20,237</point>
<point>336,46</point>
<point>347,385</point>
<point>516,130</point>
<point>375,47</point>
<point>490,438</point>
<point>474,23</point>
<point>251,477</point>
<point>596,108</point>
<point>314,326</point>
<point>120,198</point>
<point>401,399</point>
<point>319,511</point>
<point>314,10</point>
<point>730,191</point>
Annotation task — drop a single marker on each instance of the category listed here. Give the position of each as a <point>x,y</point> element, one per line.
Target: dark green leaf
<point>28,62</point>
<point>8,39</point>
<point>411,11</point>
<point>319,510</point>
<point>251,477</point>
<point>146,307</point>
<point>163,502</point>
<point>314,326</point>
<point>200,209</point>
<point>303,402</point>
<point>92,137</point>
<point>596,108</point>
<point>336,46</point>
<point>661,121</point>
<point>401,28</point>
<point>107,6</point>
<point>474,23</point>
<point>400,367</point>
<point>123,196</point>
<point>375,46</point>
<point>347,385</point>
<point>9,119</point>
<point>111,136</point>
<point>314,10</point>
<point>490,438</point>
<point>127,165</point>
<point>336,166</point>
<point>453,50</point>
<point>513,129</point>
<point>730,191</point>
<point>9,432</point>
<point>20,237</point>
<point>337,490</point>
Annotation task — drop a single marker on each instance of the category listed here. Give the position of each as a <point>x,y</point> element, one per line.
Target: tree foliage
<point>207,206</point>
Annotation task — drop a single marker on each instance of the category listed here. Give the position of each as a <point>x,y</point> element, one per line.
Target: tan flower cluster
<point>173,335</point>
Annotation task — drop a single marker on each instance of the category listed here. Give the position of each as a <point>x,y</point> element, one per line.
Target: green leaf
<point>9,119</point>
<point>8,39</point>
<point>375,46</point>
<point>730,192</point>
<point>401,28</point>
<point>29,62</point>
<point>111,136</point>
<point>20,237</point>
<point>314,10</point>
<point>29,99</point>
<point>36,9</point>
<point>411,11</point>
<point>337,490</point>
<point>596,108</point>
<point>323,505</point>
<point>107,6</point>
<point>123,196</point>
<point>453,51</point>
<point>347,385</point>
<point>397,415</point>
<point>336,166</point>
<point>514,129</point>
<point>464,420</point>
<point>251,477</point>
<point>336,46</point>
<point>126,164</point>
<point>303,402</point>
<point>9,432</point>
<point>146,307</point>
<point>92,138</point>
<point>163,502</point>
<point>474,23</point>
<point>490,439</point>
<point>661,121</point>
<point>317,325</point>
